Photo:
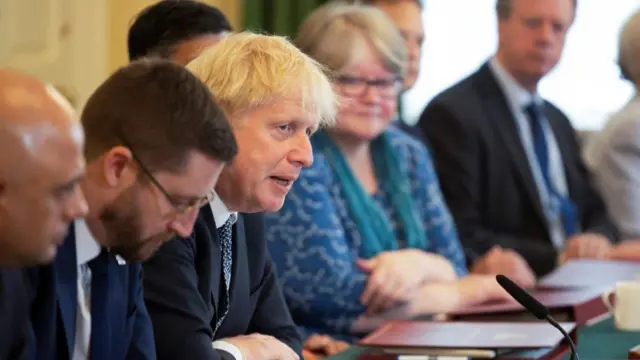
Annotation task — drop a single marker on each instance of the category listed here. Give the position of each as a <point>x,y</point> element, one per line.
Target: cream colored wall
<point>121,13</point>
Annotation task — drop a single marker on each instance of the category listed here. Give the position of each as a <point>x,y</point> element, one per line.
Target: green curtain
<point>280,17</point>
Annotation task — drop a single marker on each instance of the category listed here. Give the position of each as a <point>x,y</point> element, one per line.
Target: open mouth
<point>281,181</point>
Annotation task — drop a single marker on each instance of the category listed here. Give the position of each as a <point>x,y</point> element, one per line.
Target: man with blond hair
<point>215,294</point>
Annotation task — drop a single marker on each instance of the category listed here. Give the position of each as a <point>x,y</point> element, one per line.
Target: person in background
<point>215,294</point>
<point>508,161</point>
<point>176,29</point>
<point>364,235</point>
<point>406,15</point>
<point>613,154</point>
<point>41,166</point>
<point>155,145</point>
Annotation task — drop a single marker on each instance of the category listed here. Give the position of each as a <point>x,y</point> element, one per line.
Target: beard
<point>122,221</point>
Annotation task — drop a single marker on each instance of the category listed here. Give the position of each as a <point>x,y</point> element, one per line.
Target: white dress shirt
<point>87,249</point>
<point>518,98</point>
<point>220,215</point>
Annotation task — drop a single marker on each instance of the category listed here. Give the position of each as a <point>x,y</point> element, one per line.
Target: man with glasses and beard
<point>155,145</point>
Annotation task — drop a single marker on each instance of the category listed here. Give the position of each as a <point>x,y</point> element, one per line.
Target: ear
<point>117,166</point>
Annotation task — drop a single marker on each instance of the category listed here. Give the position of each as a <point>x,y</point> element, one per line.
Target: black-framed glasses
<point>357,86</point>
<point>178,206</point>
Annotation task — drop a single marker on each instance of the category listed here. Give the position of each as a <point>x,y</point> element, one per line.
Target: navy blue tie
<point>224,234</point>
<point>566,206</point>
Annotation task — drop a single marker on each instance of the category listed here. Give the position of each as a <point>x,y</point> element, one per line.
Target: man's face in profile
<point>42,195</point>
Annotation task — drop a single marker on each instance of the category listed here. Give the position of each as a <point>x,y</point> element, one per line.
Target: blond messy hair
<point>246,71</point>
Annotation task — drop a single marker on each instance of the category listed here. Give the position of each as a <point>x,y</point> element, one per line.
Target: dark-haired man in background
<point>509,162</point>
<point>176,29</point>
<point>156,143</point>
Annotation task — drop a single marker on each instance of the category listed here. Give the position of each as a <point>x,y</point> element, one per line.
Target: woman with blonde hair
<point>364,235</point>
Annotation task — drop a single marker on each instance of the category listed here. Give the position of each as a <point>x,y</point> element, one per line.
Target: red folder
<point>476,340</point>
<point>576,305</point>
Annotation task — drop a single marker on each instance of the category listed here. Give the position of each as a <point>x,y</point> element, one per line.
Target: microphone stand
<point>574,353</point>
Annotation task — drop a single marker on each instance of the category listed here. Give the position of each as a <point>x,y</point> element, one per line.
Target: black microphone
<point>535,307</point>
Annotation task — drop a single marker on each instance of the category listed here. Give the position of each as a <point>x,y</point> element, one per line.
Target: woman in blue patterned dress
<point>364,234</point>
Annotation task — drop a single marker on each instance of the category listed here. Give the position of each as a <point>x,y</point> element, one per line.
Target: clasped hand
<point>395,277</point>
<point>586,246</point>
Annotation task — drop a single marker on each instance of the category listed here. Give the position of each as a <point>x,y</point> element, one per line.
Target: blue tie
<point>224,234</point>
<point>566,206</point>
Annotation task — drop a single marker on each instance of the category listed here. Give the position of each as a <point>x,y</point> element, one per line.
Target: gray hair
<point>332,32</point>
<point>629,48</point>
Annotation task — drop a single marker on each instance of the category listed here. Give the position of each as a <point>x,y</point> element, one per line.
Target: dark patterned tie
<point>224,234</point>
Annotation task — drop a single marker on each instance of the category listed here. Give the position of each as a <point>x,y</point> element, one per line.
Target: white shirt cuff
<point>228,347</point>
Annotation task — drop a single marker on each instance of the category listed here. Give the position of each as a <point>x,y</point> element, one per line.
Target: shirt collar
<point>221,213</point>
<point>517,96</point>
<point>87,248</point>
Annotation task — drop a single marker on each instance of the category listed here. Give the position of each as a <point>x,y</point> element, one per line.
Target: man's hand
<point>396,276</point>
<point>586,246</point>
<point>259,347</point>
<point>627,251</point>
<point>324,345</point>
<point>506,262</point>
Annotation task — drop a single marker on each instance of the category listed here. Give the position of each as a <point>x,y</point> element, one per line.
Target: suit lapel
<point>101,300</point>
<point>499,113</point>
<point>208,229</point>
<point>67,287</point>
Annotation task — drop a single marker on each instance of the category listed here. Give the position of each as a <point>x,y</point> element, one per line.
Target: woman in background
<point>364,235</point>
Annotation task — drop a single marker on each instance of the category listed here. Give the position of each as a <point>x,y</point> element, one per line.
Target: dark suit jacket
<point>121,327</point>
<point>183,289</point>
<point>14,313</point>
<point>485,174</point>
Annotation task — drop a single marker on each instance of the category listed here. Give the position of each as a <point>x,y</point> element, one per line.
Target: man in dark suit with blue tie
<point>215,294</point>
<point>509,162</point>
<point>155,145</point>
<point>41,164</point>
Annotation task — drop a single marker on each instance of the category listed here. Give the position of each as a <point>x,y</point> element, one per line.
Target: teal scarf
<point>374,226</point>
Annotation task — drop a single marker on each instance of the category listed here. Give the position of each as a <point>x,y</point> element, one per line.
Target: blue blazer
<point>120,325</point>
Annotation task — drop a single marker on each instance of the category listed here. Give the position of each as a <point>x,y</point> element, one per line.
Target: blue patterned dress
<point>315,244</point>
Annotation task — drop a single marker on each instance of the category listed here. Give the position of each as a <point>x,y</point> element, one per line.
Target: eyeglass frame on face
<point>180,208</point>
<point>392,85</point>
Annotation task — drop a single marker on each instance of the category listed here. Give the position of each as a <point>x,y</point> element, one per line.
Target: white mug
<point>626,307</point>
